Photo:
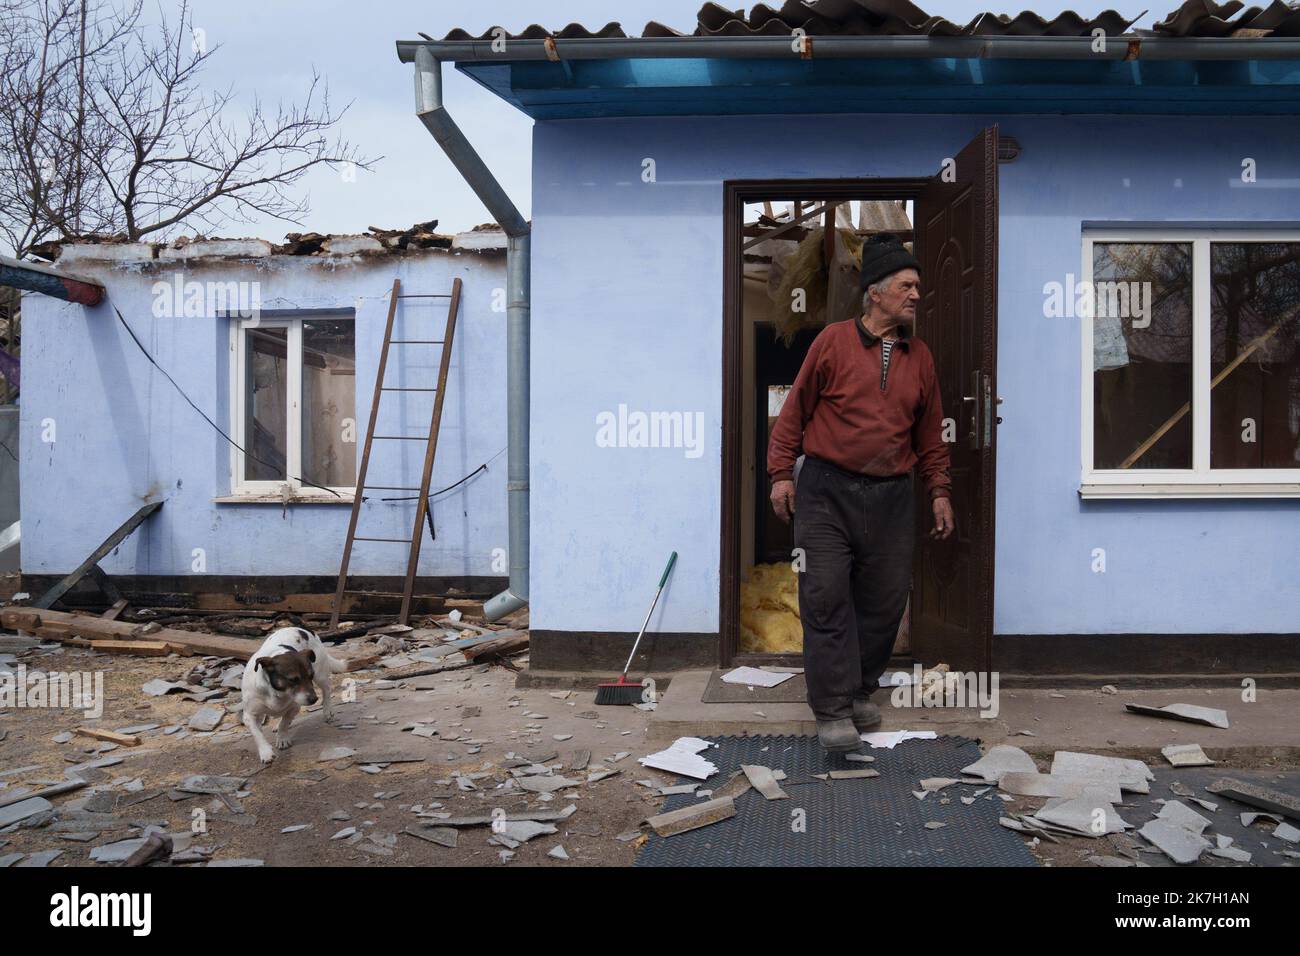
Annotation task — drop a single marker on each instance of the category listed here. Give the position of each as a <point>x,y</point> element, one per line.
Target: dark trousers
<point>856,535</point>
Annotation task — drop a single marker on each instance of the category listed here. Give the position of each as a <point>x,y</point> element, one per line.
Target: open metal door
<point>956,218</point>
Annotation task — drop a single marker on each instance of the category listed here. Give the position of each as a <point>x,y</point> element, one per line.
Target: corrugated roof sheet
<point>1194,18</point>
<point>574,31</point>
<point>881,18</point>
<point>1205,18</point>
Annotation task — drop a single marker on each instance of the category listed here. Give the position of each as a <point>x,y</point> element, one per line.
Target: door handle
<point>988,409</point>
<point>973,436</point>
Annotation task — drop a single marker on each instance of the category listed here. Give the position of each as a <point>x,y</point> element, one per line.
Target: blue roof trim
<point>587,89</point>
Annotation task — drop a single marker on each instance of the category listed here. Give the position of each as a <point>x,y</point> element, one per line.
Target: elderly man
<point>864,410</point>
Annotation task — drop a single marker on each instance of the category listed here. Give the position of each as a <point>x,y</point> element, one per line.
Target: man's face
<point>899,299</point>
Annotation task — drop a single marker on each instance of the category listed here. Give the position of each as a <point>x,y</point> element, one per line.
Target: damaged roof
<point>486,239</point>
<point>1204,18</point>
<point>1194,18</point>
<point>891,56</point>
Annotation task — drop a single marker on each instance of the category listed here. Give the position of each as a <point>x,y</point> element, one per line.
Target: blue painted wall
<point>627,309</point>
<point>123,435</point>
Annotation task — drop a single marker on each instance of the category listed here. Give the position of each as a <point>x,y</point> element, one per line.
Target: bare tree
<point>43,47</point>
<point>105,129</point>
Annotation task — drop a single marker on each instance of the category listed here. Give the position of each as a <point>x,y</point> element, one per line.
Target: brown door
<point>957,245</point>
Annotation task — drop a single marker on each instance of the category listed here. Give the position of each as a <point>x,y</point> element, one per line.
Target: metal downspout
<point>434,115</point>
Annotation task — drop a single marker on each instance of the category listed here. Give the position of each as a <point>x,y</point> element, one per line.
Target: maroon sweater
<point>839,412</point>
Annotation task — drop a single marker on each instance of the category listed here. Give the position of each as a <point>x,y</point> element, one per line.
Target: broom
<point>622,691</point>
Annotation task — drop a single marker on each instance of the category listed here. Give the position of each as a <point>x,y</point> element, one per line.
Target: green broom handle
<point>663,579</point>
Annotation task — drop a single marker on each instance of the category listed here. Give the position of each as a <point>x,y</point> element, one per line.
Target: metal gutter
<point>1122,47</point>
<point>433,114</point>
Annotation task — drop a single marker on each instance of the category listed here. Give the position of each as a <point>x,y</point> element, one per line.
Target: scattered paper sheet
<point>683,758</point>
<point>889,739</point>
<point>754,677</point>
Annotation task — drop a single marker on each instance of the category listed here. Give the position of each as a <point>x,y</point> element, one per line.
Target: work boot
<point>866,716</point>
<point>838,736</point>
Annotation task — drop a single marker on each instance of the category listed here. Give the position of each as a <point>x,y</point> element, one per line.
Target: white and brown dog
<point>278,681</point>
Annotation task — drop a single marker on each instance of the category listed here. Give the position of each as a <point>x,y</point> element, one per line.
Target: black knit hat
<point>883,255</point>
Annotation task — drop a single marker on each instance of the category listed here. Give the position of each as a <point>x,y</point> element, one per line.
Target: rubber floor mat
<point>874,821</point>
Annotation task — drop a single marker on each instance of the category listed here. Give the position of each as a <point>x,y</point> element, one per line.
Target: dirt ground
<point>284,794</point>
<point>483,723</point>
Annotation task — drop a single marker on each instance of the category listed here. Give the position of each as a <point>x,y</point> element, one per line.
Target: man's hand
<point>783,499</point>
<point>943,519</point>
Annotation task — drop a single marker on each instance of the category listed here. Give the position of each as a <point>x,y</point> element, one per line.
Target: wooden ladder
<point>431,446</point>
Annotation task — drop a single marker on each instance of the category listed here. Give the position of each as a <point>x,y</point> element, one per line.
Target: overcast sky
<point>269,47</point>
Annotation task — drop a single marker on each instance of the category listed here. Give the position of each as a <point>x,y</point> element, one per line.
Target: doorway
<point>783,237</point>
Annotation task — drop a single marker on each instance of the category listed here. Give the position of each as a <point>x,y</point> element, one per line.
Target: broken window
<point>294,405</point>
<point>1255,355</point>
<point>1142,354</point>
<point>1194,347</point>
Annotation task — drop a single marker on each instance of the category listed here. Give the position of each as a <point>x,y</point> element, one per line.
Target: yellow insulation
<point>769,611</point>
<point>806,270</point>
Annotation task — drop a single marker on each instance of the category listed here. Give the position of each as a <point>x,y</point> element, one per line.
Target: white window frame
<point>292,488</point>
<point>1200,481</point>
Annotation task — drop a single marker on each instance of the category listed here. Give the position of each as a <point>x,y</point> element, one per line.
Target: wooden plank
<point>114,612</point>
<point>507,642</point>
<point>465,605</point>
<point>138,648</point>
<point>419,669</point>
<point>463,625</point>
<point>463,642</point>
<point>336,635</point>
<point>112,736</point>
<point>48,599</point>
<point>799,216</point>
<point>21,619</point>
<point>361,663</point>
<point>828,237</point>
<point>370,603</point>
<point>64,627</point>
<point>693,817</point>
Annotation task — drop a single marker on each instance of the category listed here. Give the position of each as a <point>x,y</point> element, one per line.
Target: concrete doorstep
<point>1038,721</point>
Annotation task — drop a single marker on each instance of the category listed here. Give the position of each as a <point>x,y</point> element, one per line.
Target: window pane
<point>1142,355</point>
<point>265,389</point>
<point>1255,355</point>
<point>329,440</point>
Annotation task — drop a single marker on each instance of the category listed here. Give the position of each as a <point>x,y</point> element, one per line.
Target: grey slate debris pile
<point>110,823</point>
<point>106,816</point>
<point>1083,792</point>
